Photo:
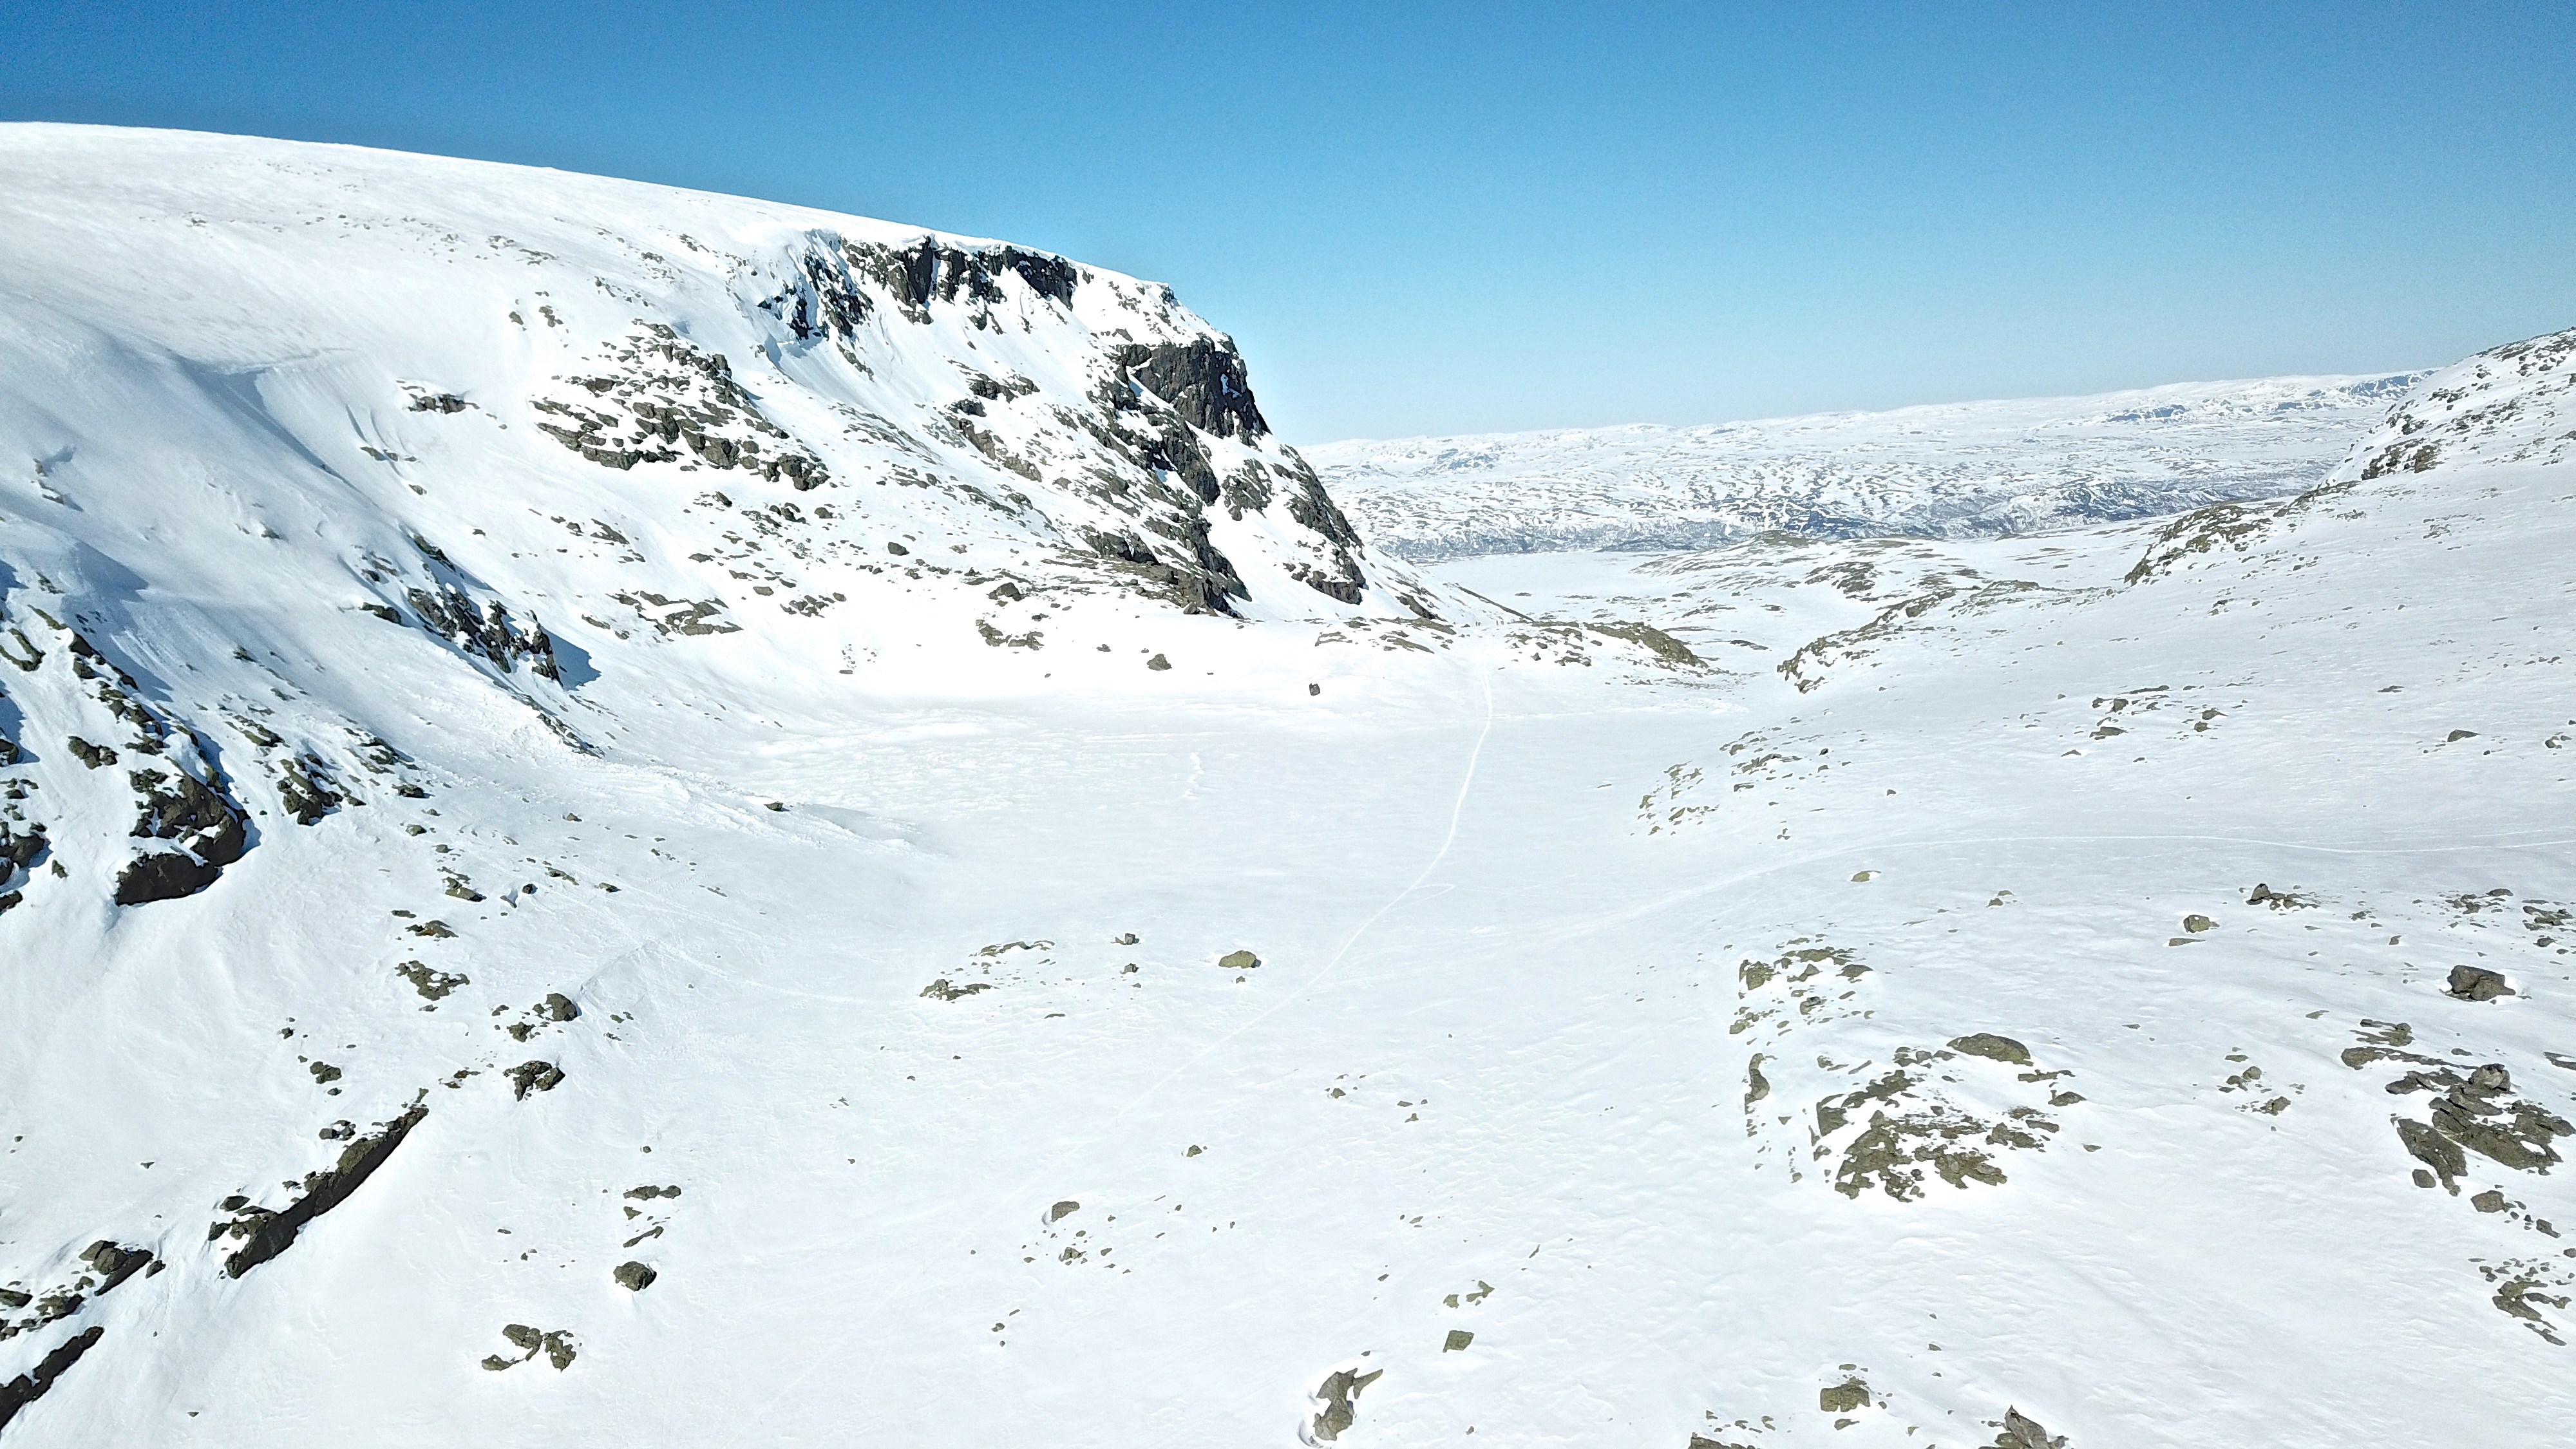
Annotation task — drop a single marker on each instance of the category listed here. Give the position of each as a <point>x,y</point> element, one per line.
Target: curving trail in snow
<point>1021,1192</point>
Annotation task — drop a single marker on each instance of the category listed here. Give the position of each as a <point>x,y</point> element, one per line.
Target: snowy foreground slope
<point>1953,470</point>
<point>1977,992</point>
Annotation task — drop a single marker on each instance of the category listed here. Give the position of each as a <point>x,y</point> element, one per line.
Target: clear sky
<point>1451,217</point>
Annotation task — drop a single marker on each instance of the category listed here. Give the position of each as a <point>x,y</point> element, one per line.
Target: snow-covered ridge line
<point>1944,470</point>
<point>2509,404</point>
<point>385,329</point>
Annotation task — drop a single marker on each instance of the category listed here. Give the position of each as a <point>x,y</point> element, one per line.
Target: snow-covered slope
<point>1957,470</point>
<point>319,359</point>
<point>2016,983</point>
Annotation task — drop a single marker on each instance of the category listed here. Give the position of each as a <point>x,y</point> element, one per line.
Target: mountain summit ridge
<point>393,327</point>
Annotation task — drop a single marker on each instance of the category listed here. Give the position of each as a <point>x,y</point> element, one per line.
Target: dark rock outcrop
<point>271,1233</point>
<point>1340,1392</point>
<point>928,271</point>
<point>28,1387</point>
<point>660,392</point>
<point>1992,1047</point>
<point>1205,582</point>
<point>1662,645</point>
<point>22,844</point>
<point>557,1344</point>
<point>301,789</point>
<point>1202,380</point>
<point>1048,276</point>
<point>1211,580</point>
<point>825,300</point>
<point>162,876</point>
<point>1345,586</point>
<point>114,1262</point>
<point>1314,509</point>
<point>487,630</point>
<point>2020,1431</point>
<point>191,812</point>
<point>195,815</point>
<point>2477,983</point>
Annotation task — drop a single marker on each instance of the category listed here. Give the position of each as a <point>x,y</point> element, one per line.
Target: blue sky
<point>1447,218</point>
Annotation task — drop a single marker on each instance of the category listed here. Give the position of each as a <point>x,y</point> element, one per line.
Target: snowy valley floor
<point>1632,1055</point>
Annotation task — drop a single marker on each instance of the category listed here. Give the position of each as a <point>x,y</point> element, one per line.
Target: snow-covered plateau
<point>1953,470</point>
<point>635,817</point>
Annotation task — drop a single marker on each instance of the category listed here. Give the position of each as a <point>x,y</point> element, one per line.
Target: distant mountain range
<point>1951,470</point>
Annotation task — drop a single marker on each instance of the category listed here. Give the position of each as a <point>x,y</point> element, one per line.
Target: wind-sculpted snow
<point>661,947</point>
<point>1963,470</point>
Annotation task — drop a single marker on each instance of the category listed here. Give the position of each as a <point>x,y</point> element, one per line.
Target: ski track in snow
<point>1881,852</point>
<point>1036,1181</point>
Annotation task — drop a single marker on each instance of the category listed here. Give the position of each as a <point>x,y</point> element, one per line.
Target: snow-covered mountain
<point>510,935</point>
<point>745,407</point>
<point>1955,470</point>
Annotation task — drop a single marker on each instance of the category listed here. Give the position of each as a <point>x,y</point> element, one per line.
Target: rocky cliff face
<point>430,345</point>
<point>284,413</point>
